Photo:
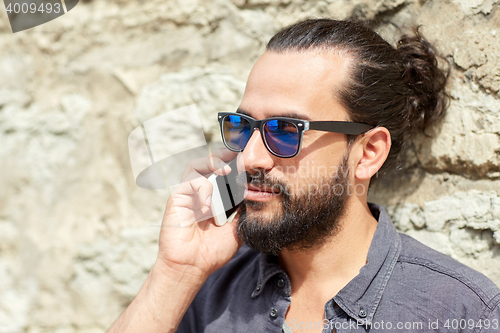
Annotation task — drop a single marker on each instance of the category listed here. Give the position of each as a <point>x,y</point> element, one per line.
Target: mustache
<point>261,179</point>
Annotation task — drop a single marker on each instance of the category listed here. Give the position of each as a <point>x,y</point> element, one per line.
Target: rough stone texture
<point>464,225</point>
<point>210,90</point>
<point>77,236</point>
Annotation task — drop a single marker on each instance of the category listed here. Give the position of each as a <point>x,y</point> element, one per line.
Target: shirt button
<point>281,283</point>
<point>362,313</point>
<point>273,313</point>
<point>258,288</point>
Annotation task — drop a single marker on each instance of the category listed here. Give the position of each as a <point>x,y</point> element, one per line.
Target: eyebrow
<point>288,114</point>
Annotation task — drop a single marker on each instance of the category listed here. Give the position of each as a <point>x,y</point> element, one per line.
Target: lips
<point>260,193</point>
<point>266,189</point>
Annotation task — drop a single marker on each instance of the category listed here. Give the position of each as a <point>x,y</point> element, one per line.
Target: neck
<point>325,270</point>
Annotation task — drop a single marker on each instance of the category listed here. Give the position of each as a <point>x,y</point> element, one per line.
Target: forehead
<point>297,83</point>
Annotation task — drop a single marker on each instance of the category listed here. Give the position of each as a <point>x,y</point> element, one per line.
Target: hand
<point>197,249</point>
<point>189,252</point>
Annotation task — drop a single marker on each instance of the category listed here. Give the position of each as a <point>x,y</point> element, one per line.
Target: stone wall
<point>77,236</point>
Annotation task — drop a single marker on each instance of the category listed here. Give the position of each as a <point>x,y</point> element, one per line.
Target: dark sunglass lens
<point>282,137</point>
<point>237,132</point>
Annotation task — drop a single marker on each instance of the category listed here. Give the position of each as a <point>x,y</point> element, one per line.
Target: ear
<point>373,150</point>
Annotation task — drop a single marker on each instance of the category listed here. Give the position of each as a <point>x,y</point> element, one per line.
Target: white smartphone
<point>226,196</point>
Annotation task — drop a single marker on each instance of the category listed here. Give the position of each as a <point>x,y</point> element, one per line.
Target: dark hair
<point>401,89</point>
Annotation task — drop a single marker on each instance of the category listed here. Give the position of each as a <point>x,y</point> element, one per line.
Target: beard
<point>307,220</point>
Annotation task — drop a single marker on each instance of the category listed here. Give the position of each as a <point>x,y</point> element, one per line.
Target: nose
<point>255,155</point>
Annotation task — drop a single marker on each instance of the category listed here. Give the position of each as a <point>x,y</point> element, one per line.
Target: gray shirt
<point>404,287</point>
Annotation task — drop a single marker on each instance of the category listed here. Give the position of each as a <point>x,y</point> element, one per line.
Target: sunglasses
<point>282,136</point>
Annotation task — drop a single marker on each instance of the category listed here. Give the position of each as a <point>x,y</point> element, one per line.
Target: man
<point>321,259</point>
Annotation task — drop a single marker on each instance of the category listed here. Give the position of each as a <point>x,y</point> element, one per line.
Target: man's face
<point>295,202</point>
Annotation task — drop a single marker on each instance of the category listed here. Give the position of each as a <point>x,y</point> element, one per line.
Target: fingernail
<point>209,200</point>
<point>232,216</point>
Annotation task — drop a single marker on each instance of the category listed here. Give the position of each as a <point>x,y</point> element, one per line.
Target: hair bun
<point>427,100</point>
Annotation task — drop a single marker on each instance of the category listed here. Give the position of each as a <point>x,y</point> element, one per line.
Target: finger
<point>200,166</point>
<point>195,184</point>
<point>183,216</point>
<point>176,216</point>
<point>205,166</point>
<point>191,201</point>
<point>216,162</point>
<point>222,157</point>
<point>203,188</point>
<point>224,154</point>
<point>221,168</point>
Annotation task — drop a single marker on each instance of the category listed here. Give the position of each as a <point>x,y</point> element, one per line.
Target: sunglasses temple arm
<point>344,127</point>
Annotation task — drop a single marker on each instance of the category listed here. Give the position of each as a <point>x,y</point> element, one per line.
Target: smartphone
<point>227,194</point>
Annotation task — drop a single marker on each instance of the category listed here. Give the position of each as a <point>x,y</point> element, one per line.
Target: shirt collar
<point>268,267</point>
<point>361,296</point>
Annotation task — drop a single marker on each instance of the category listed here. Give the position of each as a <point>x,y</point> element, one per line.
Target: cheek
<point>325,149</point>
<point>300,177</point>
<point>318,162</point>
<point>319,168</point>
